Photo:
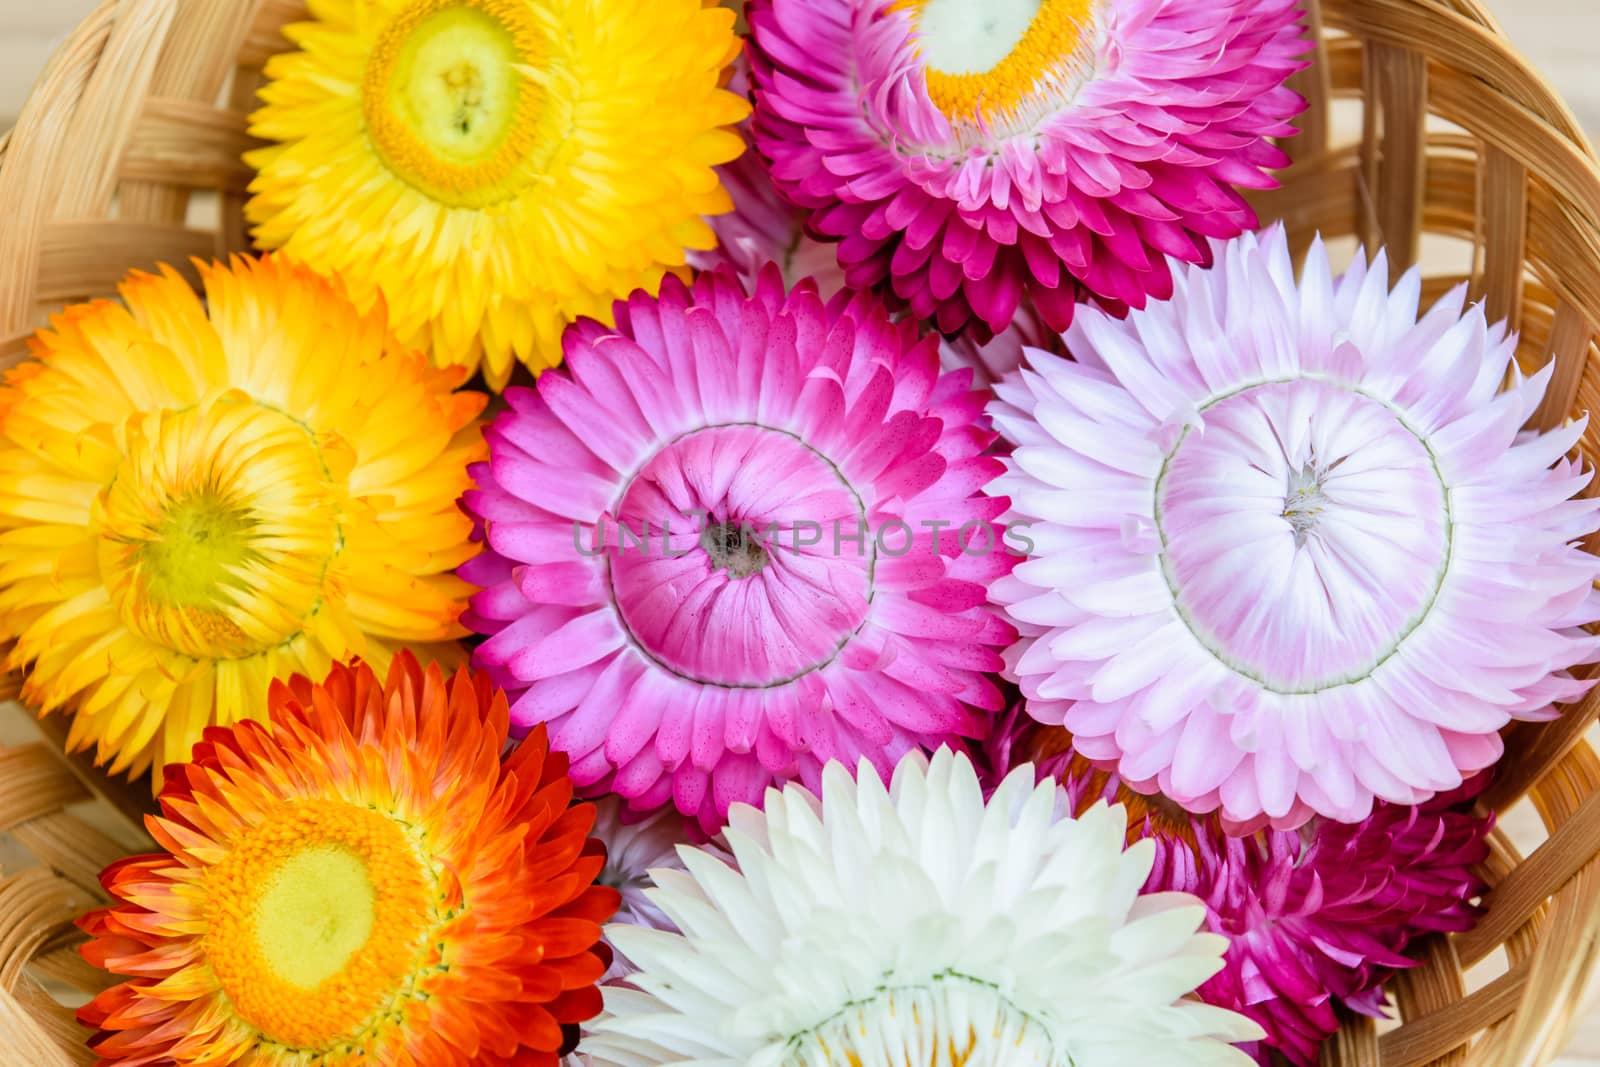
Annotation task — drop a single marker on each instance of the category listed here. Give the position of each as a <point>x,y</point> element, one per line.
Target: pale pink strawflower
<point>637,844</point>
<point>763,227</point>
<point>823,603</point>
<point>973,155</point>
<point>1293,552</point>
<point>993,359</point>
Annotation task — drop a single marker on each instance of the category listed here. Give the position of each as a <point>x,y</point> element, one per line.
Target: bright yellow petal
<point>491,168</point>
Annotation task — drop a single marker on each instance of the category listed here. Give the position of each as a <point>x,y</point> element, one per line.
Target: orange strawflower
<point>360,880</point>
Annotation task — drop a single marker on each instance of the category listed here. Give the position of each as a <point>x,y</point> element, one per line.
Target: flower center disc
<point>216,534</point>
<point>448,101</point>
<point>317,920</point>
<point>1304,534</point>
<point>953,1021</point>
<point>313,915</point>
<point>765,583</point>
<point>989,58</point>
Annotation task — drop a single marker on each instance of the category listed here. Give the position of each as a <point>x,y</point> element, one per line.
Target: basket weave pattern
<point>1425,133</point>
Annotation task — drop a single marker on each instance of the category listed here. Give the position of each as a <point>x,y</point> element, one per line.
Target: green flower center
<point>196,551</point>
<point>216,535</point>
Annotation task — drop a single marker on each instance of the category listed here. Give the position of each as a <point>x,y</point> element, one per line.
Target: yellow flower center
<point>216,535</point>
<point>314,914</point>
<point>950,1020</point>
<point>317,922</point>
<point>453,101</point>
<point>991,59</point>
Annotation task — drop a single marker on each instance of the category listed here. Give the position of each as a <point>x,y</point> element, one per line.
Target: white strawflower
<point>918,925</point>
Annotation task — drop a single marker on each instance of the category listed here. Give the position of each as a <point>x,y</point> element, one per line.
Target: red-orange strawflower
<point>361,880</point>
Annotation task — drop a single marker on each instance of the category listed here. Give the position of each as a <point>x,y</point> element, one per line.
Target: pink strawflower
<point>816,598</point>
<point>969,155</point>
<point>1293,552</point>
<point>1316,917</point>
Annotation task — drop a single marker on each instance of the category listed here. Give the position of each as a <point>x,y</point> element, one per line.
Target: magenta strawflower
<point>1324,915</point>
<point>1315,917</point>
<point>765,228</point>
<point>816,545</point>
<point>970,155</point>
<point>1293,552</point>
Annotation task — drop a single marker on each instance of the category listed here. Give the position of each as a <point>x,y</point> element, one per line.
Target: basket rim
<point>1530,1032</point>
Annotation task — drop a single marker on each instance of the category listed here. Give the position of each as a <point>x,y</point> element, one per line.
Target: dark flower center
<point>735,548</point>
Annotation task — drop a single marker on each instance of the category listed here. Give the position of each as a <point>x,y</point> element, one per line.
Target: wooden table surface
<point>1561,36</point>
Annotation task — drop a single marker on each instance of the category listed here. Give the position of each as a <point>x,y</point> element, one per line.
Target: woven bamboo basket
<point>1426,132</point>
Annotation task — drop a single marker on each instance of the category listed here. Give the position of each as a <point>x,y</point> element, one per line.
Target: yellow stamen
<point>951,1021</point>
<point>448,104</point>
<point>318,922</point>
<point>1049,56</point>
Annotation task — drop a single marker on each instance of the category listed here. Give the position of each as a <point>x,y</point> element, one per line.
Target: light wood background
<point>1561,36</point>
